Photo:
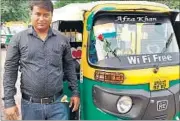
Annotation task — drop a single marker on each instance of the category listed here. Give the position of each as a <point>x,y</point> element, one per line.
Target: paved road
<point>18,95</point>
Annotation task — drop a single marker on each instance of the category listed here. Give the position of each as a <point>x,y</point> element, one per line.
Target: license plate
<point>159,84</point>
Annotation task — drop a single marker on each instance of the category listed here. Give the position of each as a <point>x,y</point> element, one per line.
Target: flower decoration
<point>101,37</point>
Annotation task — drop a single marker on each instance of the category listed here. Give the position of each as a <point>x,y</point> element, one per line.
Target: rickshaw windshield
<point>127,35</point>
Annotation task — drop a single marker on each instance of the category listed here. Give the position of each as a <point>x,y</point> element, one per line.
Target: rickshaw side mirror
<point>177,31</point>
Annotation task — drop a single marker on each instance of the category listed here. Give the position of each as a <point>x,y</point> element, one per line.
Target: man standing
<point>44,57</point>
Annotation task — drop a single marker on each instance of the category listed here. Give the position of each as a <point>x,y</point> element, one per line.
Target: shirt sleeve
<point>11,71</point>
<point>69,70</point>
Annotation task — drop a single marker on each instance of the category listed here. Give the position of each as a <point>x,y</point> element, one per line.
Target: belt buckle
<point>44,99</point>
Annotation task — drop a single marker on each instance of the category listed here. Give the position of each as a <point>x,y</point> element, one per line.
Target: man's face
<point>41,18</point>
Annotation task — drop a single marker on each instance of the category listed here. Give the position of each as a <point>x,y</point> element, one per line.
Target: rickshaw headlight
<point>124,104</point>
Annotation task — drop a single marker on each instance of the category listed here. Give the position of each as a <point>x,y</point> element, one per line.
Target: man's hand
<point>12,113</point>
<point>74,101</point>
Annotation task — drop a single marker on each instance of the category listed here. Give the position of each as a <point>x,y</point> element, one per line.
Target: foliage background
<point>171,3</point>
<point>14,10</point>
<point>18,10</point>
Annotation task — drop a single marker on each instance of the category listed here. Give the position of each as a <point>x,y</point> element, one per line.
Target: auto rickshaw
<point>127,58</point>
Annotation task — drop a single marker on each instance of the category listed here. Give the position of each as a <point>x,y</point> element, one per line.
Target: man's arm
<point>11,71</point>
<point>69,70</point>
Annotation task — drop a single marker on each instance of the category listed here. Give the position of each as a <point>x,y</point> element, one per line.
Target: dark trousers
<point>36,111</point>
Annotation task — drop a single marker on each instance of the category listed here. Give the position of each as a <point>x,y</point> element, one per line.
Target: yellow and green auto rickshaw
<point>127,59</point>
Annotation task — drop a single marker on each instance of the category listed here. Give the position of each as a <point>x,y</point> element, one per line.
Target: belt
<point>46,100</point>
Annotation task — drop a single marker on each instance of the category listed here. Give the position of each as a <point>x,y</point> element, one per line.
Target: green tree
<point>174,4</point>
<point>14,10</point>
<point>17,10</point>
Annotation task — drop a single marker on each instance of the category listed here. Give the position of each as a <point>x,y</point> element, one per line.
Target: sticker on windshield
<point>107,30</point>
<point>104,31</point>
<point>152,58</point>
<point>143,19</point>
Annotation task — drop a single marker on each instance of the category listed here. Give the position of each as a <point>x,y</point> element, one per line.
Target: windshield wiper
<point>167,44</point>
<point>108,45</point>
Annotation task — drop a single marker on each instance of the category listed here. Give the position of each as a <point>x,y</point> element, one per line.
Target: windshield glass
<point>127,35</point>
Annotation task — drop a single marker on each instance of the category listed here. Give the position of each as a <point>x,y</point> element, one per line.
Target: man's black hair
<point>46,4</point>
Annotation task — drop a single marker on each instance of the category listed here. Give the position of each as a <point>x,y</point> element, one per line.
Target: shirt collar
<point>51,32</point>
